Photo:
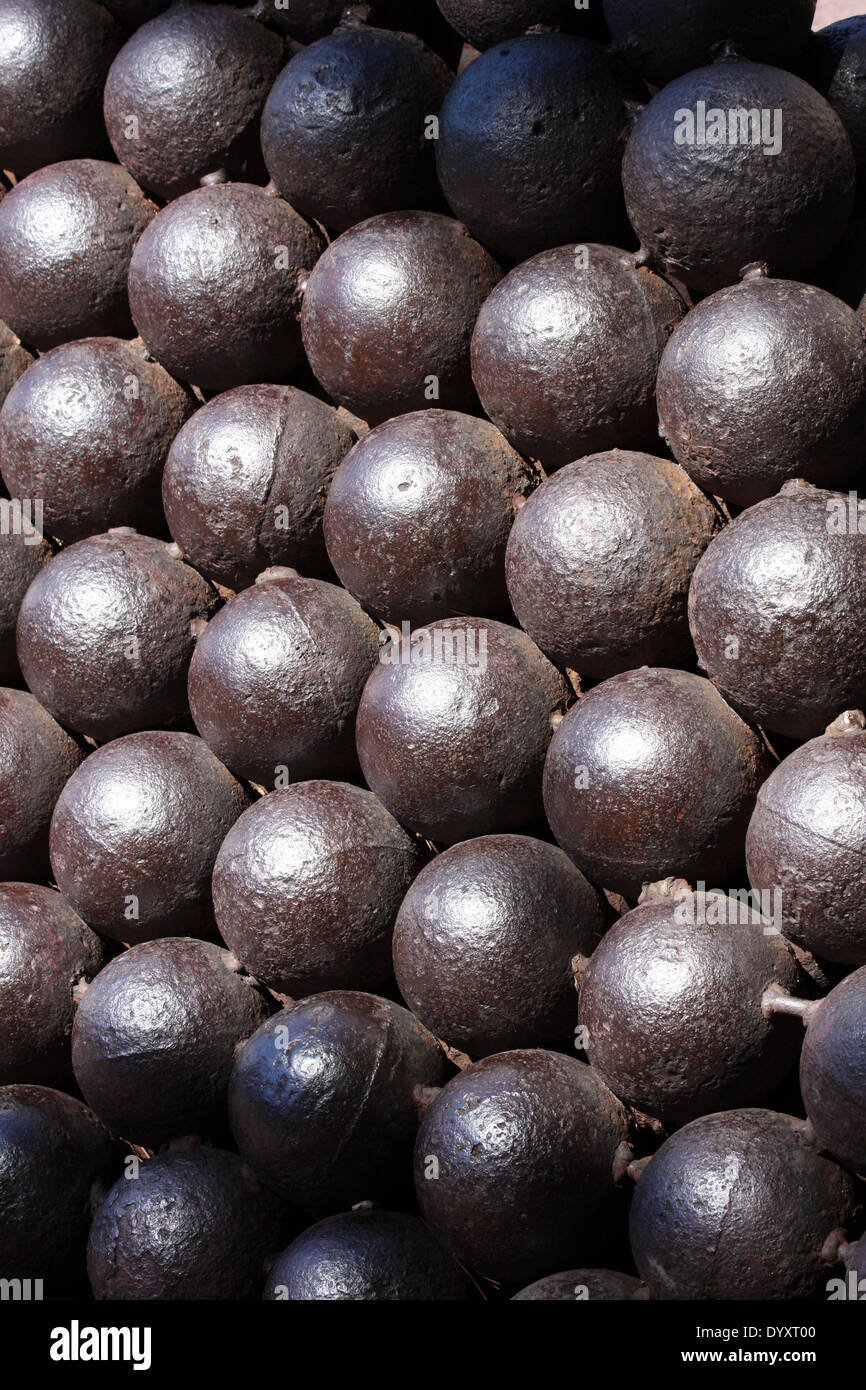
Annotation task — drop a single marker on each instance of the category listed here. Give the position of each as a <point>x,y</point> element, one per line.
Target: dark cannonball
<point>14,360</point>
<point>276,678</point>
<point>418,516</point>
<point>67,235</point>
<point>486,22</point>
<point>485,941</point>
<point>454,725</point>
<point>106,631</point>
<point>738,1205</point>
<point>807,840</point>
<point>562,356</point>
<point>671,1005</point>
<point>171,132</point>
<point>530,140</point>
<point>54,55</point>
<point>307,886</point>
<point>132,13</point>
<point>215,286</point>
<point>54,1156</point>
<point>36,759</point>
<point>155,1037</point>
<point>189,1225</point>
<point>836,65</point>
<point>514,1162</point>
<point>346,129</point>
<point>325,1098</point>
<point>661,40</point>
<point>775,610</point>
<point>833,1072</point>
<point>389,312</point>
<point>584,1285</point>
<point>245,482</point>
<point>650,774</point>
<point>798,412</point>
<point>136,831</point>
<point>23,552</point>
<point>365,1256</point>
<point>46,955</point>
<point>704,207</point>
<point>87,429</point>
<point>600,559</point>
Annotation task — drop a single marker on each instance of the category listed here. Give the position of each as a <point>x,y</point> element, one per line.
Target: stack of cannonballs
<point>432,572</point>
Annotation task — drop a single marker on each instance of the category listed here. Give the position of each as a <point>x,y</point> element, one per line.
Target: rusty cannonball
<point>67,234</point>
<point>23,553</point>
<point>276,678</point>
<point>55,1159</point>
<point>454,725</point>
<point>600,559</point>
<point>106,631</point>
<point>692,196</point>
<point>738,1205</point>
<point>514,1163</point>
<point>54,55</point>
<point>184,96</point>
<point>245,482</point>
<point>798,412</point>
<point>651,774</point>
<point>774,609</point>
<point>389,311</point>
<point>46,955</point>
<point>87,429</point>
<point>366,1256</point>
<point>833,1072</point>
<point>36,759</point>
<point>807,840</point>
<point>215,285</point>
<point>584,1285</point>
<point>326,1095</point>
<point>485,940</point>
<point>14,360</point>
<point>836,64</point>
<point>190,1225</point>
<point>531,136</point>
<point>418,515</point>
<point>484,23</point>
<point>661,40</point>
<point>155,1037</point>
<point>566,352</point>
<point>671,1004</point>
<point>136,831</point>
<point>307,885</point>
<point>346,128</point>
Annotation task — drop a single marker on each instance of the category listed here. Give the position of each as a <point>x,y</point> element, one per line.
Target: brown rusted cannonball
<point>87,429</point>
<point>215,287</point>
<point>307,885</point>
<point>389,312</point>
<point>454,725</point>
<point>600,559</point>
<point>418,516</point>
<point>245,482</point>
<point>37,758</point>
<point>106,631</point>
<point>136,831</point>
<point>276,678</point>
<point>566,352</point>
<point>54,55</point>
<point>184,96</point>
<point>23,552</point>
<point>67,234</point>
<point>652,774</point>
